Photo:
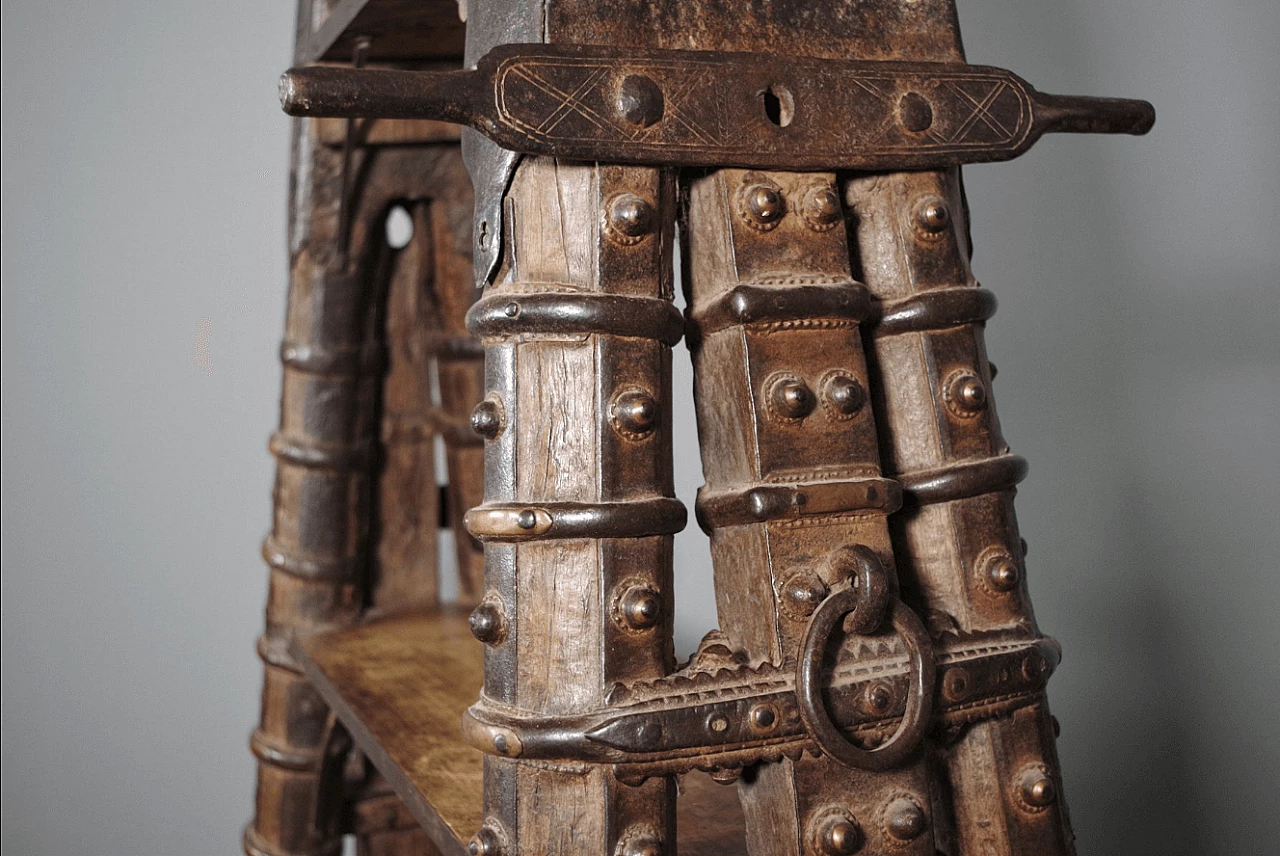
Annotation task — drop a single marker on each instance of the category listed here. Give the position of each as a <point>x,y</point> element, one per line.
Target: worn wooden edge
<point>400,684</point>
<point>345,669</point>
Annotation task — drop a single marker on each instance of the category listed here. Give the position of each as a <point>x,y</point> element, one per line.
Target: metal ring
<point>915,720</point>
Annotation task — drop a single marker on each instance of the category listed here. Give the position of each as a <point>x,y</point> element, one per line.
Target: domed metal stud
<point>904,820</point>
<point>932,215</point>
<point>845,395</point>
<point>836,833</point>
<point>914,112</point>
<point>1003,574</point>
<point>791,397</point>
<point>820,208</point>
<point>762,206</point>
<point>965,394</point>
<point>488,623</point>
<point>634,412</point>
<point>801,594</point>
<point>628,218</point>
<point>488,418</point>
<point>640,100</point>
<point>486,842</point>
<point>640,607</point>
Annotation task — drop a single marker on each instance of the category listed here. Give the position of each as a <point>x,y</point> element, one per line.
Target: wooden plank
<point>401,685</point>
<point>400,31</point>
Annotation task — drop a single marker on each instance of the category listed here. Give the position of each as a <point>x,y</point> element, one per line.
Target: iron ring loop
<point>915,720</point>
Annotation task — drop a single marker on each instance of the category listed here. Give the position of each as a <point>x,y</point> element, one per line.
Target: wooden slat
<point>401,685</point>
<point>401,30</point>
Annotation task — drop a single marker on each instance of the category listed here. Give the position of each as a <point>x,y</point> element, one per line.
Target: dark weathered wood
<point>398,30</point>
<point>401,685</point>
<point>878,684</point>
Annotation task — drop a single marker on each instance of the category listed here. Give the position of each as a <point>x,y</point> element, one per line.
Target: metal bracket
<point>709,109</point>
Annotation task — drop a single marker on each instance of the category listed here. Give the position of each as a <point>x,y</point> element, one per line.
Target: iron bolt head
<point>526,519</point>
<point>965,394</point>
<point>932,215</point>
<point>640,100</point>
<point>915,112</point>
<point>485,843</point>
<point>878,698</point>
<point>802,593</point>
<point>846,394</point>
<point>763,716</point>
<point>792,397</point>
<point>635,412</point>
<point>955,684</point>
<point>487,419</point>
<point>1004,574</point>
<point>640,607</point>
<point>840,836</point>
<point>630,215</point>
<point>904,819</point>
<point>765,204</point>
<point>1038,790</point>
<point>487,623</point>
<point>821,209</point>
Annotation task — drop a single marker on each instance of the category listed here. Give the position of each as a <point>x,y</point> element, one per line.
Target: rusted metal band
<point>744,715</point>
<point>286,757</point>
<point>765,304</point>
<point>318,456</point>
<point>934,310</point>
<point>318,360</point>
<point>274,652</point>
<point>255,845</point>
<point>563,314</point>
<point>845,115</point>
<point>961,481</point>
<point>543,521</point>
<point>774,502</point>
<point>306,567</point>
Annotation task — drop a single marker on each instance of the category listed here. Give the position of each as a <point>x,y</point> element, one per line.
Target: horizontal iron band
<point>773,502</point>
<point>274,652</point>
<point>961,481</point>
<point>318,360</point>
<point>847,114</point>
<point>330,569</point>
<point>937,309</point>
<point>255,845</point>
<point>318,456</point>
<point>543,521</point>
<point>706,716</point>
<point>564,313</point>
<point>762,304</point>
<point>287,757</point>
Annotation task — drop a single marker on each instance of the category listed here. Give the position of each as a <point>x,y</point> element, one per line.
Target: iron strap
<point>703,108</point>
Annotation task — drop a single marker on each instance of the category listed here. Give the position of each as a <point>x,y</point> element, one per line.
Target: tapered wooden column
<point>328,451</point>
<point>960,558</point>
<point>794,490</point>
<point>578,514</point>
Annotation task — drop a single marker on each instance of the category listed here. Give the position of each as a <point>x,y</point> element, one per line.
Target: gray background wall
<point>143,190</point>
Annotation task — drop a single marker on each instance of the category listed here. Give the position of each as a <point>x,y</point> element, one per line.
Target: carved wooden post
<point>794,501</point>
<point>578,516</point>
<point>327,447</point>
<point>959,554</point>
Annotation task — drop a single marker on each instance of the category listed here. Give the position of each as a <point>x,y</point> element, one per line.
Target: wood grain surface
<point>400,687</point>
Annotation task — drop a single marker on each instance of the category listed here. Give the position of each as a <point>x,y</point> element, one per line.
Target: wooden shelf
<point>400,686</point>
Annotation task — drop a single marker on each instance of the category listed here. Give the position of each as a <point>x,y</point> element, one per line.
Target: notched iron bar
<point>737,716</point>
<point>702,108</point>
